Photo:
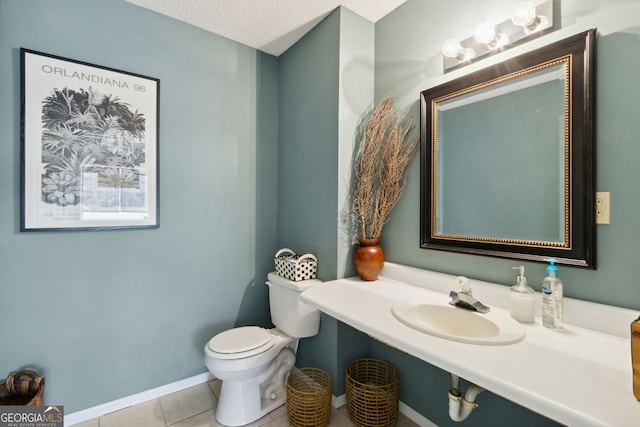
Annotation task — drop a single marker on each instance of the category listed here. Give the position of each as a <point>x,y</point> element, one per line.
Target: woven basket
<point>372,392</point>
<point>309,397</point>
<point>24,388</point>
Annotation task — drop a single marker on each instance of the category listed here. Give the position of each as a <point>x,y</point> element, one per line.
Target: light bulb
<point>485,33</point>
<point>525,14</point>
<point>451,48</point>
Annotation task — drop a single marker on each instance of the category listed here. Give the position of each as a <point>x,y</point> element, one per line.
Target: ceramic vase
<point>368,259</point>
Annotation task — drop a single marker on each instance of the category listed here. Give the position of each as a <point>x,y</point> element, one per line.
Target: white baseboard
<point>134,399</point>
<point>416,417</point>
<point>338,401</point>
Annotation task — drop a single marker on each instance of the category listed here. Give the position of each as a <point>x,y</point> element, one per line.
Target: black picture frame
<point>578,247</point>
<point>89,146</point>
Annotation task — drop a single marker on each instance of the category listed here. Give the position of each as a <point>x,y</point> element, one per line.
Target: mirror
<point>507,158</point>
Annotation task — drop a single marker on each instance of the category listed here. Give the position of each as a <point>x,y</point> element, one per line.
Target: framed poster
<point>90,147</point>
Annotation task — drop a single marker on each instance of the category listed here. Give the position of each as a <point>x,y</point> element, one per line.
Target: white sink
<point>458,324</point>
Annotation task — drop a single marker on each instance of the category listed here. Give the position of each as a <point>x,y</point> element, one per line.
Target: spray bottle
<point>552,297</point>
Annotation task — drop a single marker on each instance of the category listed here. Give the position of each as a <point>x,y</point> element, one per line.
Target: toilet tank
<point>292,316</point>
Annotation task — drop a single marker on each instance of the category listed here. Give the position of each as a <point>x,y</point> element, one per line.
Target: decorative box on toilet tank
<point>295,267</point>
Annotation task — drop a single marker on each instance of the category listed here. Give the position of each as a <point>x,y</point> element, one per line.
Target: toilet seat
<point>241,342</point>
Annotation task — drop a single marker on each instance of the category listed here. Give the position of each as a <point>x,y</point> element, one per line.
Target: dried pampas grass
<point>383,150</point>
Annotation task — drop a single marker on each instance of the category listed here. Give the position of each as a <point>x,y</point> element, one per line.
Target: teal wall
<point>103,315</point>
<point>308,148</point>
<point>323,91</point>
<point>307,168</point>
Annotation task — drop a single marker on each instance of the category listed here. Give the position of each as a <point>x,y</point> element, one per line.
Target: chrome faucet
<point>463,297</point>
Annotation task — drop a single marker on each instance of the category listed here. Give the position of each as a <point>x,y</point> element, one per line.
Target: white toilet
<point>253,362</point>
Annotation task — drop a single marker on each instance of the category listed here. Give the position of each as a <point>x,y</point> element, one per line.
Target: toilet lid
<point>241,340</point>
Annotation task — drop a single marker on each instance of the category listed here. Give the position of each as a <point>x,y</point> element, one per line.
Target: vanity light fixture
<point>528,20</point>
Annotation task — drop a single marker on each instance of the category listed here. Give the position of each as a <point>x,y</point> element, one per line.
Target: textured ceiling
<point>271,26</point>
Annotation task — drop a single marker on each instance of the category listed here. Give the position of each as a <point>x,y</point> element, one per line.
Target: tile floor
<point>195,407</point>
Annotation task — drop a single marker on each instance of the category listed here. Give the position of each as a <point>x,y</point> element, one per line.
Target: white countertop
<point>576,376</point>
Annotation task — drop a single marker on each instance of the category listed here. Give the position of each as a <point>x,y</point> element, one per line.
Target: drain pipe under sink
<point>460,407</point>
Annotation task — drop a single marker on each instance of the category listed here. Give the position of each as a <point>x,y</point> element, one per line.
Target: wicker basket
<point>309,397</point>
<point>24,388</point>
<point>372,392</point>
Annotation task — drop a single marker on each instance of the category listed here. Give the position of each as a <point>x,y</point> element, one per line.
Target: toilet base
<point>235,412</point>
<point>242,402</point>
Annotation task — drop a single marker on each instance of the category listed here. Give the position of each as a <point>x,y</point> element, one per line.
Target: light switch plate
<point>603,205</point>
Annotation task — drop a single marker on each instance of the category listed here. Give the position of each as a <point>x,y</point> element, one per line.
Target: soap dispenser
<point>552,297</point>
<point>522,299</point>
